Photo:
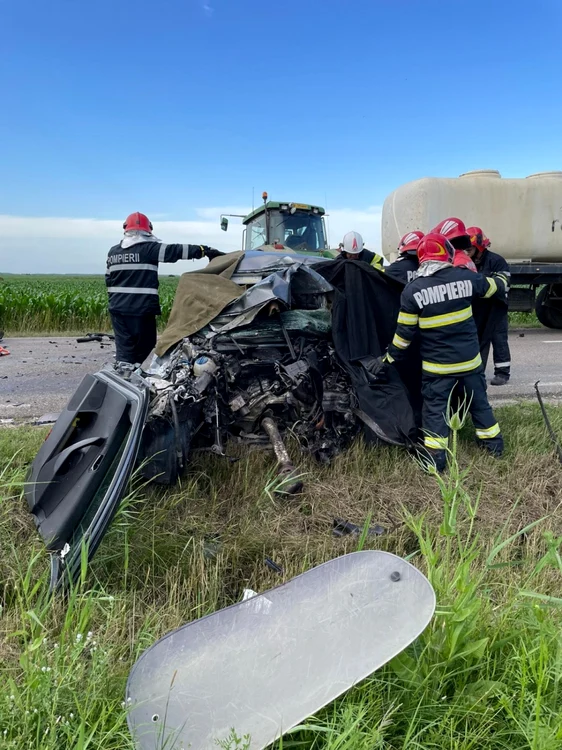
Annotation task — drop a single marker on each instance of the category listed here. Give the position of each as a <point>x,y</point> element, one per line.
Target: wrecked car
<point>258,346</point>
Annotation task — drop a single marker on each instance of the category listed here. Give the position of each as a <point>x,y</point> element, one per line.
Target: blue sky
<point>179,108</point>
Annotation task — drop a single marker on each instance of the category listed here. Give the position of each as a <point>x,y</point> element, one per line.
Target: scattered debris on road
<point>99,337</point>
<point>47,419</point>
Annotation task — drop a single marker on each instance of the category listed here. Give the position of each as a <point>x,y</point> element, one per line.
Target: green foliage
<point>35,304</point>
<point>485,675</point>
<point>523,320</point>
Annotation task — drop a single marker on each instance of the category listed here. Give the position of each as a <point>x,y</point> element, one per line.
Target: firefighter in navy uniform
<point>353,248</point>
<point>489,263</point>
<point>132,285</point>
<point>488,315</point>
<point>438,304</point>
<point>406,265</point>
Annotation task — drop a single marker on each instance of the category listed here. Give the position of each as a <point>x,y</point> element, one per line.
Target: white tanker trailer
<point>521,217</point>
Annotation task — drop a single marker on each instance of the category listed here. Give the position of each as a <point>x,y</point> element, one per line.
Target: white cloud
<point>214,213</point>
<point>64,245</point>
<point>365,221</point>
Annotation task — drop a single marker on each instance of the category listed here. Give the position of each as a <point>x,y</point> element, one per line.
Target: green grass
<point>44,304</point>
<point>485,675</point>
<point>523,320</point>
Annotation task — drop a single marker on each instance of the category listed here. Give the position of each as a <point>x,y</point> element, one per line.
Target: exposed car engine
<point>279,375</point>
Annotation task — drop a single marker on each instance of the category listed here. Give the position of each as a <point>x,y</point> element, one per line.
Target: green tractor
<point>285,227</point>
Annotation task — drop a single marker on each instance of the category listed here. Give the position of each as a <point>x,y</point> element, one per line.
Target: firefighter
<point>353,248</point>
<point>487,263</point>
<point>406,265</point>
<point>488,317</point>
<point>132,285</point>
<point>438,304</point>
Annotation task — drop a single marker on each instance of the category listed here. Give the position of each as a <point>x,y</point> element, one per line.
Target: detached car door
<point>79,476</point>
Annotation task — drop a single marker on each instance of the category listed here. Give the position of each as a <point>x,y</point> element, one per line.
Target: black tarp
<point>364,313</point>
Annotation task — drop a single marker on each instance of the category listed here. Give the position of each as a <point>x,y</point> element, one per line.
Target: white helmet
<point>352,243</point>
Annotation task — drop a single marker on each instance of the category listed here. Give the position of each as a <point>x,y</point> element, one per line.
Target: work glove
<point>376,368</point>
<point>211,253</point>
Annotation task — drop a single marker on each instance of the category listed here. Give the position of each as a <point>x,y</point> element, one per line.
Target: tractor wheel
<point>549,311</point>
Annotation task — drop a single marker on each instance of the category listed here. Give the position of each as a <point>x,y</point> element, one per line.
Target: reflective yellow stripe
<point>377,262</point>
<point>407,319</point>
<point>436,321</point>
<point>400,342</point>
<point>505,280</point>
<point>388,358</point>
<point>452,367</point>
<point>493,288</point>
<point>437,443</point>
<point>490,432</point>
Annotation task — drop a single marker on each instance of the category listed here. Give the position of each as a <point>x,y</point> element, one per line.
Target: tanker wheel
<point>549,312</point>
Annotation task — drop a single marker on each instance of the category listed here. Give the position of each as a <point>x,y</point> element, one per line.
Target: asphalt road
<point>536,354</point>
<point>40,374</point>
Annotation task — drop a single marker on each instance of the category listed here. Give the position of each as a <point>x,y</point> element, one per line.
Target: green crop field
<point>50,304</point>
<point>78,304</point>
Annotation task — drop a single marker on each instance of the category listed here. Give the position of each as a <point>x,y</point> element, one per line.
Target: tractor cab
<point>285,227</point>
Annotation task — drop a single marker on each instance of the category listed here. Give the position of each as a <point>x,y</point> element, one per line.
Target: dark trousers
<point>500,344</point>
<point>501,354</point>
<point>135,336</point>
<point>435,391</point>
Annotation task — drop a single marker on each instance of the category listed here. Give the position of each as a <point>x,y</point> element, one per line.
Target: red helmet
<point>451,228</point>
<point>435,246</point>
<point>478,239</point>
<point>455,231</point>
<point>137,221</point>
<point>462,260</point>
<point>409,242</point>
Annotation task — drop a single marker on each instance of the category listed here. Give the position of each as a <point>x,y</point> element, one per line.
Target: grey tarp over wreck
<point>200,297</point>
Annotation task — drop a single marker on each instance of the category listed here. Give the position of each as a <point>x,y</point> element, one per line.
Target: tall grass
<point>484,675</point>
<point>35,304</point>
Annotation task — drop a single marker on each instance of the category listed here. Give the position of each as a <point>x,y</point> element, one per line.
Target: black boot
<point>493,446</point>
<point>500,378</point>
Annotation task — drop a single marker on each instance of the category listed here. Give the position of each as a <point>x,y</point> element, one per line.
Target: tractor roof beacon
<point>282,226</point>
